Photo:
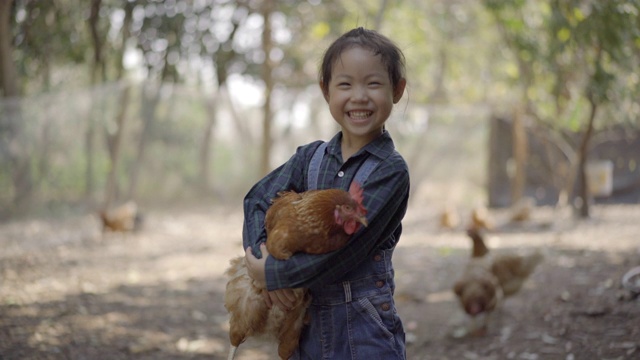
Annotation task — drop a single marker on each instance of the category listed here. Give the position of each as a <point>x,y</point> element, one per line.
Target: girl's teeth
<point>359,114</point>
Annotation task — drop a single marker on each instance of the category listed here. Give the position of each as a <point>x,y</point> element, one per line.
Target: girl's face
<point>360,94</point>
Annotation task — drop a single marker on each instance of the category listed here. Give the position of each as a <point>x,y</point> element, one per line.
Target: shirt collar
<point>381,147</point>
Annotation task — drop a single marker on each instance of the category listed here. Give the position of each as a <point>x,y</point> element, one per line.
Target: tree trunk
<point>267,68</point>
<point>520,147</point>
<point>99,68</point>
<point>584,206</point>
<point>115,158</point>
<point>9,82</point>
<point>95,79</point>
<point>150,100</point>
<point>377,22</point>
<point>243,130</point>
<point>114,142</point>
<point>207,142</point>
<point>11,120</point>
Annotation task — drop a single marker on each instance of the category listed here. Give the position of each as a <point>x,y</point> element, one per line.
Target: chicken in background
<point>315,221</point>
<point>488,279</point>
<point>513,270</point>
<point>449,218</point>
<point>478,290</point>
<point>481,218</point>
<point>522,209</point>
<point>123,218</point>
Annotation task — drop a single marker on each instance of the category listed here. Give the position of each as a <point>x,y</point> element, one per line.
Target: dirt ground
<point>69,292</point>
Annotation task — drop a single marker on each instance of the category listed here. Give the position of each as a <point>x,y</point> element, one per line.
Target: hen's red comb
<point>356,193</point>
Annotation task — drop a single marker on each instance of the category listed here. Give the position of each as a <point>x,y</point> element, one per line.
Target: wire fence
<point>56,149</point>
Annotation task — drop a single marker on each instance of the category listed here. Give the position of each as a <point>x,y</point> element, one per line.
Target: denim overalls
<point>372,329</point>
<point>357,318</point>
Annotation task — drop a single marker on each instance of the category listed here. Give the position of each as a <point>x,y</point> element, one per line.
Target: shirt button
<point>386,307</point>
<point>379,283</point>
<point>340,173</point>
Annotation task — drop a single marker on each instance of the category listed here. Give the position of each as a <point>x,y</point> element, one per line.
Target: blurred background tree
<point>165,101</point>
<point>573,60</point>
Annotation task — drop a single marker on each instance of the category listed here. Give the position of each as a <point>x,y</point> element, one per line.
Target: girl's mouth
<point>359,115</point>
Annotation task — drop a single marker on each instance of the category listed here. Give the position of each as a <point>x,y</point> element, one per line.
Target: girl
<point>352,315</point>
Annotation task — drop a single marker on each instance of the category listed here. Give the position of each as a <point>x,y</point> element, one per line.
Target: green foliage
<point>604,33</point>
<point>47,35</point>
<point>552,56</point>
<point>572,49</point>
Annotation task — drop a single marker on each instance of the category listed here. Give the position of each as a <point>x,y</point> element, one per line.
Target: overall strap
<point>365,169</point>
<point>314,168</point>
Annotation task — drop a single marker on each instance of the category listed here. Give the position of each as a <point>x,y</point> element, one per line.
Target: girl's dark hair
<point>392,57</point>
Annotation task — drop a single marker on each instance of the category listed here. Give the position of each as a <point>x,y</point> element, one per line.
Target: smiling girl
<point>352,314</point>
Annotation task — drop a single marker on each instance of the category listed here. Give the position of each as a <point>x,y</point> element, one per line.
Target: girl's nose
<point>359,94</point>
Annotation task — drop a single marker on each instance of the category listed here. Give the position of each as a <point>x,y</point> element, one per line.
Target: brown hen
<point>488,279</point>
<point>481,218</point>
<point>478,290</point>
<point>449,218</point>
<point>315,222</point>
<point>122,218</point>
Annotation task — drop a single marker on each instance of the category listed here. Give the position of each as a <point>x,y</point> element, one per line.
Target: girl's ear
<point>325,93</point>
<point>398,90</point>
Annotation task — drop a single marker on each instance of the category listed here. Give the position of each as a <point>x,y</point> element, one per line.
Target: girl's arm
<point>386,194</point>
<point>289,176</point>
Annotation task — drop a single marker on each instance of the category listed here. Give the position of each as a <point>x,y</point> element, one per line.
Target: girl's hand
<point>256,266</point>
<point>282,298</point>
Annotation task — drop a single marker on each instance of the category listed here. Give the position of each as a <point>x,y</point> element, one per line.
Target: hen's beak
<point>362,220</point>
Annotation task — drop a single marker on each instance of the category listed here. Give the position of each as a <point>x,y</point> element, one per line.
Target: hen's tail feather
<point>232,352</point>
<point>479,248</point>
